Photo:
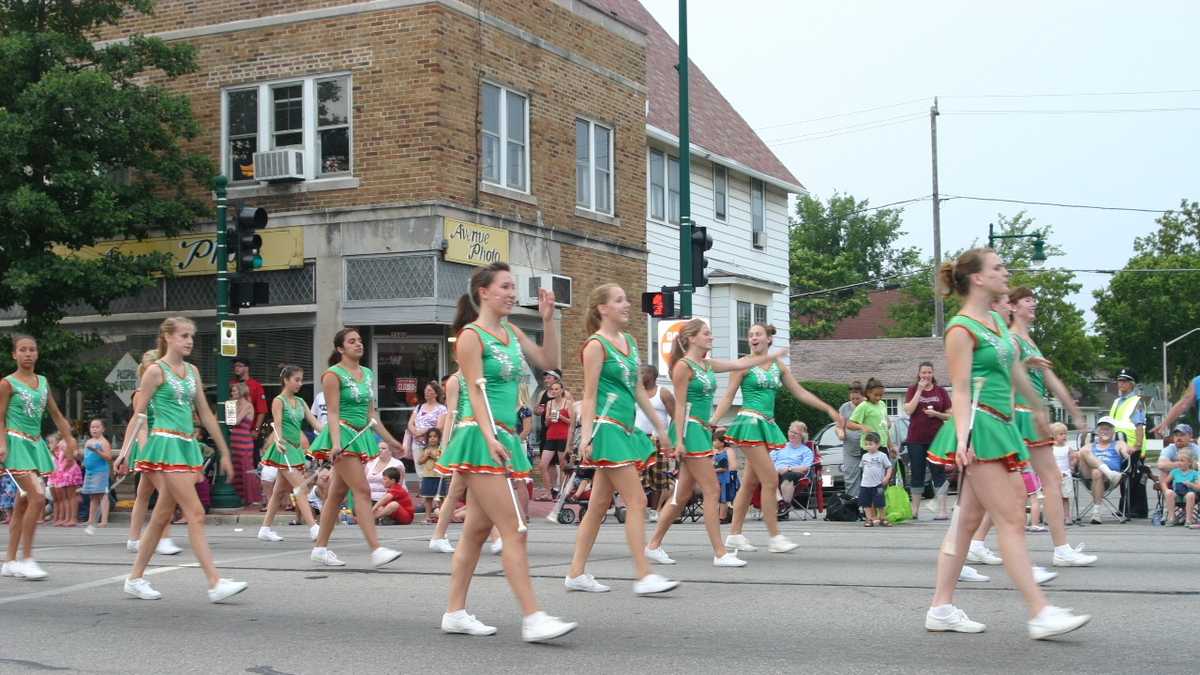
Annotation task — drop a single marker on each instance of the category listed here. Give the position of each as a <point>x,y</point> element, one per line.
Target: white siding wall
<point>732,251</point>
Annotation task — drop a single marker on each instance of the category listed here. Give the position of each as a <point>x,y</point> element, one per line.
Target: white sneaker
<point>89,530</point>
<point>141,589</point>
<point>780,544</point>
<point>267,534</point>
<point>658,556</point>
<point>497,547</point>
<point>957,622</point>
<point>167,547</point>
<point>969,573</point>
<point>225,589</point>
<point>313,532</point>
<point>1042,575</point>
<point>982,555</point>
<point>738,542</point>
<point>730,559</point>
<point>540,627</point>
<point>441,546</point>
<point>1053,621</point>
<point>131,545</point>
<point>651,516</point>
<point>586,583</point>
<point>11,569</point>
<point>31,570</point>
<point>384,555</point>
<point>462,623</point>
<point>1073,558</point>
<point>325,557</point>
<point>653,583</point>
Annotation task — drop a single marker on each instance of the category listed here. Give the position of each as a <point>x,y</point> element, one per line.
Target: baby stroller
<point>570,497</point>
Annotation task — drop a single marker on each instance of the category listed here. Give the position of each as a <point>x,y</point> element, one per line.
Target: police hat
<point>1126,374</point>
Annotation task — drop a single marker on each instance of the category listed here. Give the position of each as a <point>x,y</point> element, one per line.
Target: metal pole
<point>686,282</point>
<point>939,309</point>
<point>223,494</point>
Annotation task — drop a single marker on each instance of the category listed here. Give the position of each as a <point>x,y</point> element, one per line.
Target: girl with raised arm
<point>484,446</point>
<point>694,377</point>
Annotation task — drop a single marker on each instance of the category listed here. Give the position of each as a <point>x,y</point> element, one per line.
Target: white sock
<point>318,550</point>
<point>942,611</point>
<point>1065,549</point>
<point>977,544</point>
<point>460,614</point>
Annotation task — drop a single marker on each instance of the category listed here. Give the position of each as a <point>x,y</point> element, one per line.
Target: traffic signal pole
<point>686,283</point>
<point>223,494</point>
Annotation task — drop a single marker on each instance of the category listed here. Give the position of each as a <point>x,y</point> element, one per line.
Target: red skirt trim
<point>481,469</point>
<point>144,466</point>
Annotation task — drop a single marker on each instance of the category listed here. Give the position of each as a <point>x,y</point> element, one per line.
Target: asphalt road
<point>849,600</point>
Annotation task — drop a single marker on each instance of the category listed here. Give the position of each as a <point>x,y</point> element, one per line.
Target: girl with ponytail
<point>285,453</point>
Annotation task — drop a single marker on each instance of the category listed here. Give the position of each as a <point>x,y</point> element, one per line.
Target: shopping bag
<point>897,506</point>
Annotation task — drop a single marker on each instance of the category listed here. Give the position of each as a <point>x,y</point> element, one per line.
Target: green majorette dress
<point>27,450</point>
<point>290,455</point>
<point>1025,419</point>
<point>697,437</point>
<point>755,422</point>
<point>354,406</point>
<point>467,451</point>
<point>617,442</point>
<point>134,446</point>
<point>171,445</point>
<point>995,437</point>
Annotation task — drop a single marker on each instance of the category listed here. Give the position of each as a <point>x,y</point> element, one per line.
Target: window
<point>312,115</point>
<point>593,166</point>
<point>505,138</point>
<point>757,215</point>
<point>720,191</point>
<point>664,187</point>
<point>893,406</point>
<point>744,321</point>
<point>760,314</point>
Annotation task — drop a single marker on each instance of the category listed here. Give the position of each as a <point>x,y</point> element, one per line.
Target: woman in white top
<point>375,469</point>
<point>656,479</point>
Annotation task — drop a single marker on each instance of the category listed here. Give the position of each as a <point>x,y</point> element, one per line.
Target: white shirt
<point>1062,455</point>
<point>375,476</point>
<point>642,422</point>
<point>319,409</point>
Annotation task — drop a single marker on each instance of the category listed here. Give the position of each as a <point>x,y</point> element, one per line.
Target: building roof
<point>873,321</point>
<point>891,360</point>
<point>715,125</point>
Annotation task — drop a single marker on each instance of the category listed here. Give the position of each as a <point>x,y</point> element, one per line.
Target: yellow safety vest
<point>1122,412</point>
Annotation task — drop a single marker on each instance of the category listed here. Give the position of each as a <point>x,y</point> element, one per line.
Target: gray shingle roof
<point>892,360</point>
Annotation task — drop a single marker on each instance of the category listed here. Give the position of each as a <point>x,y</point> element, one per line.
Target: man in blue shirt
<point>1104,460</point>
<point>1182,437</point>
<point>793,461</point>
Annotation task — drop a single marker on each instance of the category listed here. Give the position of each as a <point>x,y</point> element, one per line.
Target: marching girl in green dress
<point>25,398</point>
<point>755,431</point>
<point>286,451</point>
<point>145,486</point>
<point>609,441</point>
<point>171,457</point>
<point>348,440</point>
<point>983,356</point>
<point>694,377</point>
<point>484,446</point>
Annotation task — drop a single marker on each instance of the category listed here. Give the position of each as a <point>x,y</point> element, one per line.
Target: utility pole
<point>686,283</point>
<point>223,494</point>
<point>939,309</point>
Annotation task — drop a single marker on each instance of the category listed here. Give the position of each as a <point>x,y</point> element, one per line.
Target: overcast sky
<point>781,62</point>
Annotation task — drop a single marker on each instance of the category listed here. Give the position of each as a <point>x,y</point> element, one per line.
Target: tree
<point>91,152</point>
<point>841,243</point>
<point>1139,311</point>
<point>1060,327</point>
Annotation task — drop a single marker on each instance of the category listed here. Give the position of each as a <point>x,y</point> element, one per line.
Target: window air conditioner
<point>561,285</point>
<point>279,165</point>
<point>759,239</point>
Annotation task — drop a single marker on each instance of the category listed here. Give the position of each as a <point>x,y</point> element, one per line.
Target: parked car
<point>833,451</point>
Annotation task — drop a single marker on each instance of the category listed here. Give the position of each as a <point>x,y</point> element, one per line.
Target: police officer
<point>1130,413</point>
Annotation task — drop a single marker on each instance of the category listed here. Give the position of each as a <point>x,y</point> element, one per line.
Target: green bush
<point>789,409</point>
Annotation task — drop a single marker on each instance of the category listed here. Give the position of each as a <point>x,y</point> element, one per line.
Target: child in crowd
<point>97,458</point>
<point>876,474</point>
<point>581,488</point>
<point>871,414</point>
<point>320,490</point>
<point>725,462</point>
<point>8,497</point>
<point>396,503</point>
<point>1033,493</point>
<point>432,485</point>
<point>1066,458</point>
<point>64,485</point>
<point>1186,484</point>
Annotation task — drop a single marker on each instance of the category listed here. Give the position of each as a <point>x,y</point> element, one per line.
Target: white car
<point>833,452</point>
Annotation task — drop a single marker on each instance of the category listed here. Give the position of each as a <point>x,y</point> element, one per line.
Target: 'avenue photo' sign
<point>474,244</point>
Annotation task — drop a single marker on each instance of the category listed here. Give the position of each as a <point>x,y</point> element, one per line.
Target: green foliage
<point>788,409</point>
<point>836,244</point>
<point>1138,312</point>
<point>91,152</point>
<point>1060,327</point>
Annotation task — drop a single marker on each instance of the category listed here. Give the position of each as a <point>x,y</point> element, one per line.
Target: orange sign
<point>667,330</point>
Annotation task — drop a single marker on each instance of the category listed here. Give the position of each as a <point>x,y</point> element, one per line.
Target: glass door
<point>403,366</point>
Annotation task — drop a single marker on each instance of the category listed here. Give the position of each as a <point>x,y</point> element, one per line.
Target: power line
<point>1075,111</point>
<point>852,129</point>
<point>1152,92</point>
<point>870,282</point>
<point>843,114</point>
<point>1059,204</point>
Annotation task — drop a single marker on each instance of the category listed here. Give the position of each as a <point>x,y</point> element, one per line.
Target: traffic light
<point>245,293</point>
<point>702,241</point>
<point>659,304</point>
<point>249,241</point>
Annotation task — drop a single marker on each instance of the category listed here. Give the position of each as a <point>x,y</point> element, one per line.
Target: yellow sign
<point>229,338</point>
<point>475,244</point>
<point>195,254</point>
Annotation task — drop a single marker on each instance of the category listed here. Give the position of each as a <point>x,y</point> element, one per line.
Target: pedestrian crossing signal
<point>658,304</point>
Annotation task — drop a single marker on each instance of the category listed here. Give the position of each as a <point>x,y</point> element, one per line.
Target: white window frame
<point>892,405</point>
<point>761,225</point>
<point>591,168</point>
<point>666,183</point>
<point>502,159</point>
<point>266,123</point>
<point>723,214</point>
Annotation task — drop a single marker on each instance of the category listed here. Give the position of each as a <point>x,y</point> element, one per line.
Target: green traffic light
<point>256,262</point>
